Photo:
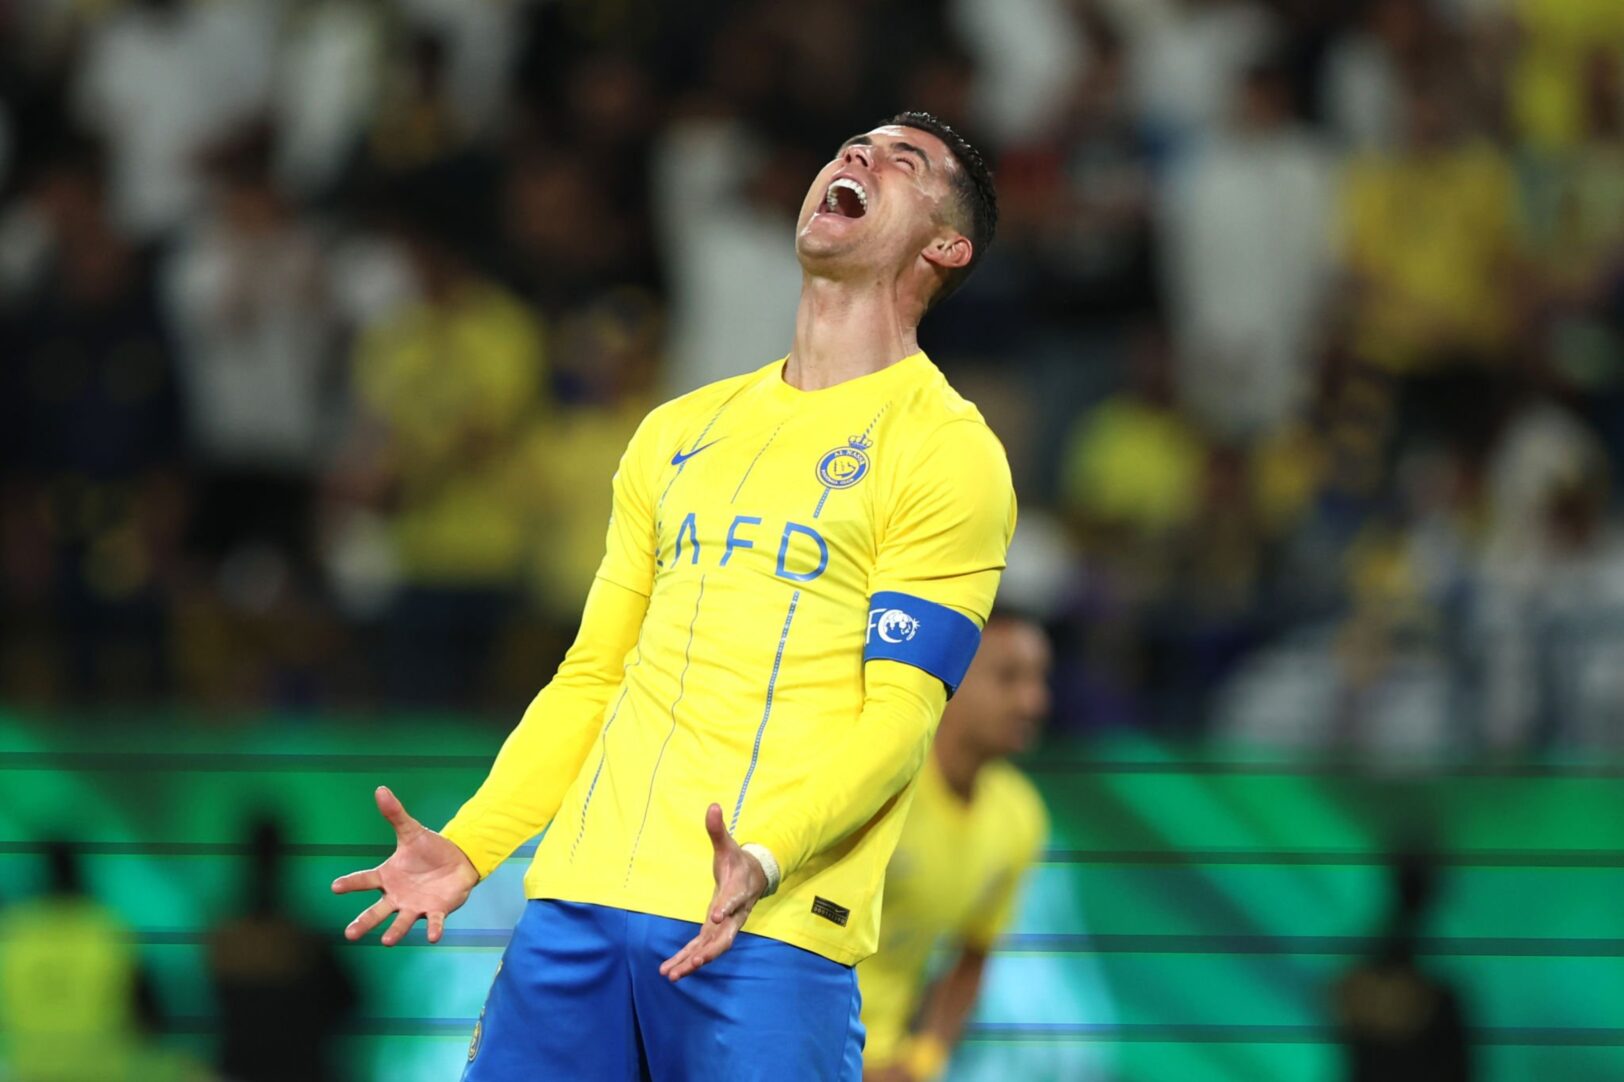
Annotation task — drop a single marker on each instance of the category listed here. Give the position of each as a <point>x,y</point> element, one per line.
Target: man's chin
<point>821,253</point>
<point>814,239</point>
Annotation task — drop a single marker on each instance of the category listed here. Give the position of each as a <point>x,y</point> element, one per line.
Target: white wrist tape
<point>769,865</point>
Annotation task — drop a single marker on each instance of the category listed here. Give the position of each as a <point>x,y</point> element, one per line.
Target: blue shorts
<point>579,996</point>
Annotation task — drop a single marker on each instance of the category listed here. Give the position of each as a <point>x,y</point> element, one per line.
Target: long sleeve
<point>858,775</point>
<point>941,555</point>
<point>543,754</point>
<point>540,758</point>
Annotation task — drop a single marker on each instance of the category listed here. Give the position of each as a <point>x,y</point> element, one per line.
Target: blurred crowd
<point>325,323</point>
<point>79,995</point>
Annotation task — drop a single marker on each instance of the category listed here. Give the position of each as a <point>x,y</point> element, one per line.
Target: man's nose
<point>859,152</point>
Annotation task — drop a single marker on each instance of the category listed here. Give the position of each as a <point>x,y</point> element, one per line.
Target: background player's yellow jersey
<point>780,537</point>
<point>954,878</point>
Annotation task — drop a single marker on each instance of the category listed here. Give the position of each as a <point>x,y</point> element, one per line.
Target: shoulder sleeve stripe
<point>928,636</point>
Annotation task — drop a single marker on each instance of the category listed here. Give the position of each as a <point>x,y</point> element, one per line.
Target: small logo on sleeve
<point>893,625</point>
<point>845,466</point>
<point>828,910</point>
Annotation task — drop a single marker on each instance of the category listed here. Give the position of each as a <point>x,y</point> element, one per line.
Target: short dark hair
<point>1011,614</point>
<point>973,192</point>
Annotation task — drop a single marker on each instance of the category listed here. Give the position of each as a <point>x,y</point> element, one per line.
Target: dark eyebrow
<point>906,148</point>
<point>909,148</point>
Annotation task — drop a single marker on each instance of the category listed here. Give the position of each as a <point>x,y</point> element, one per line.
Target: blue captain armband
<point>928,636</point>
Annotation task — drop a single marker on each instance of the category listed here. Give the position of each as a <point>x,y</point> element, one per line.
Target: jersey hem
<point>844,955</point>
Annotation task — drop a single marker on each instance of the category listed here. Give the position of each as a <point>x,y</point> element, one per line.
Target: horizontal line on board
<point>360,763</point>
<point>1481,858</point>
<point>1172,1033</point>
<point>1274,945</point>
<point>1163,858</point>
<point>1041,943</point>
<point>232,762</point>
<point>1353,771</point>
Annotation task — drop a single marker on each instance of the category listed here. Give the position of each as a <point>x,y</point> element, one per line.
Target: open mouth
<point>846,198</point>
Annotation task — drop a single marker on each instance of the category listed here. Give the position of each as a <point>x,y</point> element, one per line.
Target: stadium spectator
<point>723,201</point>
<point>1428,242</point>
<point>159,81</point>
<point>1134,463</point>
<point>565,242</point>
<point>248,300</point>
<point>1549,76</point>
<point>446,388</point>
<point>1082,205</point>
<point>1550,618</point>
<point>606,357</point>
<point>1397,1021</point>
<point>326,83</point>
<point>94,501</point>
<point>417,123</point>
<point>1026,59</point>
<point>74,1002</point>
<point>1186,57</point>
<point>1365,70</point>
<point>284,996</point>
<point>1248,260</point>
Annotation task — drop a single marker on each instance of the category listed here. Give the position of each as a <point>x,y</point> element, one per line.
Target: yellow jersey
<point>954,877</point>
<point>455,385</point>
<point>67,991</point>
<point>795,580</point>
<point>1434,233</point>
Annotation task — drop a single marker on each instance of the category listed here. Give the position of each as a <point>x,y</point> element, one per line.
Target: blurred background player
<point>975,828</point>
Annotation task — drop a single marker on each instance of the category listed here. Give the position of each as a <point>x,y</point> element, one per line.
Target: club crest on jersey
<point>845,466</point>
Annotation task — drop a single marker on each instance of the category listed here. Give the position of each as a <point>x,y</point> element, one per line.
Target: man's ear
<point>949,252</point>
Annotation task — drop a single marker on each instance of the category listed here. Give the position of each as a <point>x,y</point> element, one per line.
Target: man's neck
<point>959,761</point>
<point>844,330</point>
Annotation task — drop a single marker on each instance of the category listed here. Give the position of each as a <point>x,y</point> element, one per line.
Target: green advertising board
<point>1188,919</point>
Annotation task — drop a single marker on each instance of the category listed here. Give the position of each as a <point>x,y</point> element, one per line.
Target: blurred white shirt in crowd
<point>1185,59</point>
<point>159,85</point>
<point>1542,447</point>
<point>1248,259</point>
<point>1361,90</point>
<point>1028,57</point>
<point>734,279</point>
<point>482,41</point>
<point>1295,695</point>
<point>326,89</point>
<point>1549,619</point>
<point>256,334</point>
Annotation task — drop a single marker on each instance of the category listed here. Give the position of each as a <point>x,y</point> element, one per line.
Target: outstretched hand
<point>740,883</point>
<point>426,876</point>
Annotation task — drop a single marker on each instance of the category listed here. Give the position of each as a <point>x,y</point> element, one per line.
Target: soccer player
<point>799,562</point>
<point>975,827</point>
